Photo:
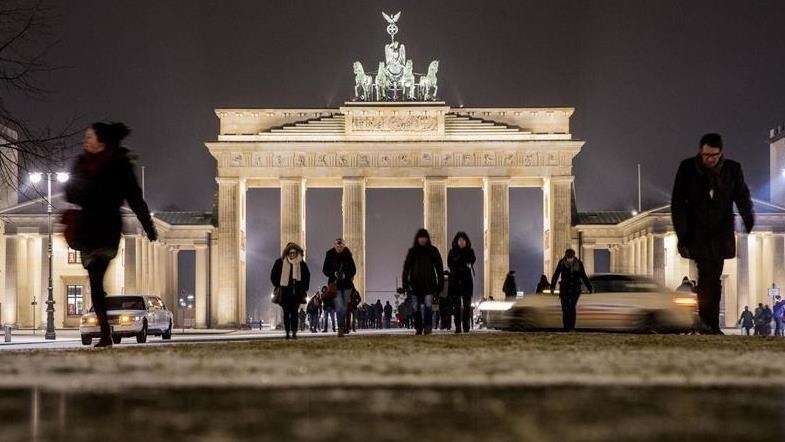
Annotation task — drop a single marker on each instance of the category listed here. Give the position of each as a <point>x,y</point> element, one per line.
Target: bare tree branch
<point>25,42</point>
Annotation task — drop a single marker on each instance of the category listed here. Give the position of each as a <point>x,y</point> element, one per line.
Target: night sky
<point>646,78</point>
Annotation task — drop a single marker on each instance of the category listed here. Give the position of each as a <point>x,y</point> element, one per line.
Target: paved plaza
<point>234,385</point>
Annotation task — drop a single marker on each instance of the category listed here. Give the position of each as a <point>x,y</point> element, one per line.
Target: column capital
<point>560,179</point>
<point>227,180</point>
<point>292,180</point>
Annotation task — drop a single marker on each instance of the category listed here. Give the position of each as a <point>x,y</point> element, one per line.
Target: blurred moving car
<point>130,316</point>
<point>619,303</point>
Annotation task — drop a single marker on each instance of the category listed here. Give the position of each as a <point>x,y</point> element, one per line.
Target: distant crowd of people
<point>759,322</point>
<point>338,305</point>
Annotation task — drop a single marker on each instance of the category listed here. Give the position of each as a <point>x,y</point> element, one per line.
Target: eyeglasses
<point>711,155</point>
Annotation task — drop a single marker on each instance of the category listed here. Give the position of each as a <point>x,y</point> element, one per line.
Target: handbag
<point>331,293</point>
<point>277,295</point>
<point>75,237</point>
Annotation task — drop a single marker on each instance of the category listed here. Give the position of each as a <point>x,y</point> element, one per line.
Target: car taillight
<point>687,302</point>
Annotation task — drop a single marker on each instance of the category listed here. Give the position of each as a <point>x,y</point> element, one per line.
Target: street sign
<point>774,292</point>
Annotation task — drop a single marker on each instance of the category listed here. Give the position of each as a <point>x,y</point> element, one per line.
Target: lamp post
<point>50,302</point>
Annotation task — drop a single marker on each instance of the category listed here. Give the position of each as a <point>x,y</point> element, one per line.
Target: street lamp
<point>36,178</point>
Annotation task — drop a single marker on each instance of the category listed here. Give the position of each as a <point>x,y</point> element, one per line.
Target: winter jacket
<point>779,308</point>
<point>510,288</point>
<point>341,264</point>
<point>294,292</point>
<point>423,270</point>
<point>99,183</point>
<point>705,224</point>
<point>460,262</point>
<point>747,320</point>
<point>571,277</point>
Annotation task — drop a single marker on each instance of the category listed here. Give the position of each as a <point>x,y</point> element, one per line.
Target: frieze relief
<point>394,159</point>
<point>397,123</point>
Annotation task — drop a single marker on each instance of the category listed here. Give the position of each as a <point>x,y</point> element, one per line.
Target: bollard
<point>7,330</point>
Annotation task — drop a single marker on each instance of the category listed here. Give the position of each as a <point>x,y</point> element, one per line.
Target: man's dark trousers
<point>569,304</point>
<point>710,291</point>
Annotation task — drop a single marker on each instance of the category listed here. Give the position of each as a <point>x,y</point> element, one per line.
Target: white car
<point>130,316</point>
<point>618,303</point>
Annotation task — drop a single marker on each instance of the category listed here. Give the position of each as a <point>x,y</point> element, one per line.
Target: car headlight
<point>89,320</point>
<point>689,302</point>
<point>128,319</point>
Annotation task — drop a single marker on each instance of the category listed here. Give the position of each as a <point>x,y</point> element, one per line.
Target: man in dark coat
<point>570,270</point>
<point>388,312</point>
<point>423,277</point>
<point>339,268</point>
<point>747,320</point>
<point>461,261</point>
<point>705,189</point>
<point>510,288</point>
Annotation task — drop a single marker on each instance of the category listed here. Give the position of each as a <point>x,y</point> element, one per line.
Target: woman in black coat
<point>101,180</point>
<point>291,276</point>
<point>423,278</point>
<point>460,289</point>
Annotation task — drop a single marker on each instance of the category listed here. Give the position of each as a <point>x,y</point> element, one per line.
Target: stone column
<point>293,212</point>
<point>139,262</point>
<point>557,194</point>
<point>587,256</point>
<point>10,280</point>
<point>743,270</point>
<point>613,255</point>
<point>768,269</point>
<point>435,207</point>
<point>658,257</point>
<point>353,211</point>
<point>201,268</point>
<point>24,293</point>
<point>159,271</point>
<point>172,295</point>
<point>778,250</point>
<point>496,232</point>
<point>226,278</point>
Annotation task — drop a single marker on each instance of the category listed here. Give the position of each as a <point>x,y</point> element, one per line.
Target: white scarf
<point>288,265</point>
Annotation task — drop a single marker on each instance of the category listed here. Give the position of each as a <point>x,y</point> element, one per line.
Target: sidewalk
<point>29,336</point>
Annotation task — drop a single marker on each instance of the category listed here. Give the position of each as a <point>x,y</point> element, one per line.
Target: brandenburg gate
<point>394,135</point>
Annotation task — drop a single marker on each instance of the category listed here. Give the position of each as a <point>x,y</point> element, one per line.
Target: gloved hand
<point>152,233</point>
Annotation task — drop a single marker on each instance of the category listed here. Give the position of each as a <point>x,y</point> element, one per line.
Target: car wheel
<point>141,338</point>
<point>116,339</point>
<point>650,323</point>
<point>168,333</point>
<point>86,340</point>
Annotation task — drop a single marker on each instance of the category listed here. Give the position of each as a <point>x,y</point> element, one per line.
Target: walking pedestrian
<point>312,309</point>
<point>339,268</point>
<point>291,278</point>
<point>778,310</point>
<point>423,277</point>
<point>758,317</point>
<point>378,312</point>
<point>766,317</point>
<point>102,178</point>
<point>351,314</point>
<point>686,285</point>
<point>543,286</point>
<point>461,261</point>
<point>746,320</point>
<point>571,272</point>
<point>510,288</point>
<point>388,311</point>
<point>436,309</point>
<point>705,189</point>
